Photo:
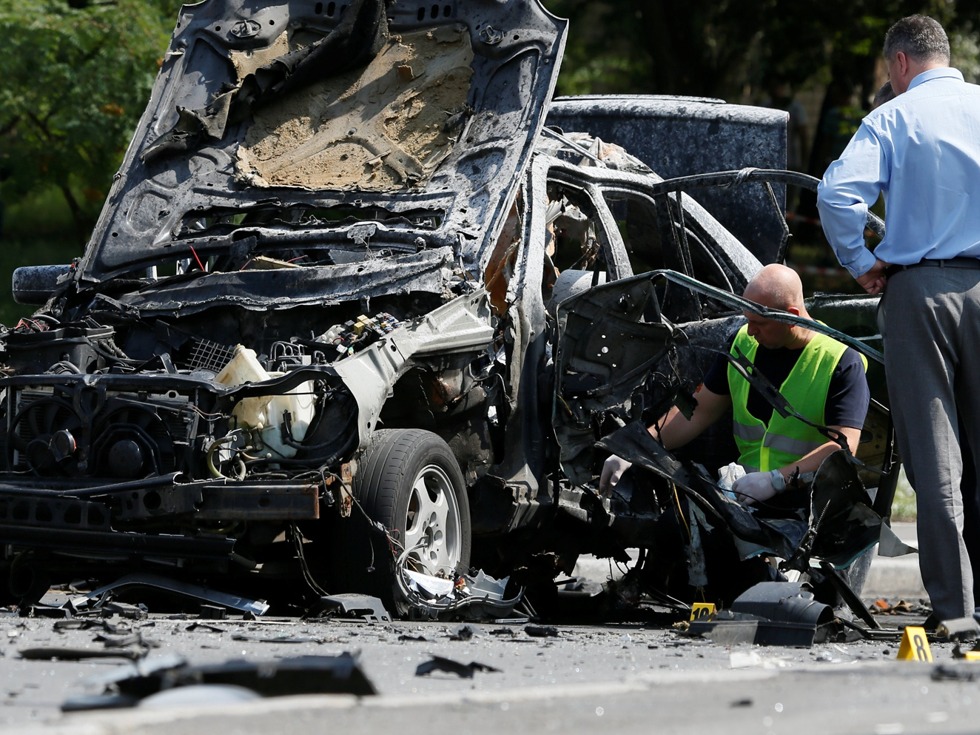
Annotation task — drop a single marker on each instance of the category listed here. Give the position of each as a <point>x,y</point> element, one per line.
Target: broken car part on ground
<point>353,315</point>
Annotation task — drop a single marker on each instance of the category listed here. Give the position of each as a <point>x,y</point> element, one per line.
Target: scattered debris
<point>204,627</point>
<point>902,607</point>
<point>88,624</point>
<point>440,663</point>
<point>213,612</point>
<point>541,631</point>
<point>462,633</point>
<point>124,641</point>
<point>99,598</point>
<point>955,672</point>
<point>282,677</point>
<point>80,654</point>
<point>116,642</point>
<point>276,639</point>
<point>730,629</point>
<point>783,601</point>
<point>360,607</point>
<point>768,614</point>
<point>43,611</point>
<point>470,597</point>
<point>959,630</point>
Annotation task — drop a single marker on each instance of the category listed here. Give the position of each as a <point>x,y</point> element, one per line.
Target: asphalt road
<point>627,678</point>
<point>637,677</point>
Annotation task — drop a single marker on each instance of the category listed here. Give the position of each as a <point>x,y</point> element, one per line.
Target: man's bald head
<point>777,287</point>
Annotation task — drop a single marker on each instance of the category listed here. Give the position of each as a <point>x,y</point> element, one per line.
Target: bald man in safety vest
<point>821,378</point>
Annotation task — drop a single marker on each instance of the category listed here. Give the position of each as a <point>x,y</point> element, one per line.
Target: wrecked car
<point>696,542</point>
<point>351,311</point>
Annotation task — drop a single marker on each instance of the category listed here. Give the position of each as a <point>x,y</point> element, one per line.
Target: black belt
<point>948,263</point>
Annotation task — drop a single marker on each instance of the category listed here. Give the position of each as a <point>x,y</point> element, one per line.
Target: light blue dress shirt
<point>922,151</point>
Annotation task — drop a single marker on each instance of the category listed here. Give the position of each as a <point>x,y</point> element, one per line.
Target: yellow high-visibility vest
<point>782,441</point>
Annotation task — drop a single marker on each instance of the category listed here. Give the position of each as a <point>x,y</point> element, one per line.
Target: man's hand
<point>758,487</point>
<point>612,469</point>
<point>874,280</point>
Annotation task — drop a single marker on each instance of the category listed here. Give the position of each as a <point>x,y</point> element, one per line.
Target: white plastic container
<point>264,414</point>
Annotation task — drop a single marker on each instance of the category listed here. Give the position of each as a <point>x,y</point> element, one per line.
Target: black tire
<point>409,482</point>
<point>26,582</point>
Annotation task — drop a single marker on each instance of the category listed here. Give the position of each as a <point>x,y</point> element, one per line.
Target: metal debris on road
<point>282,677</point>
<point>541,631</point>
<point>440,663</point>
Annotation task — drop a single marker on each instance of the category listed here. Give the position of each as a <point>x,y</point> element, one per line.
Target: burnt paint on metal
<point>513,78</point>
<point>677,136</point>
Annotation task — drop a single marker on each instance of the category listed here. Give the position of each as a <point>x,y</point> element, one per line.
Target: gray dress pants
<point>931,320</point>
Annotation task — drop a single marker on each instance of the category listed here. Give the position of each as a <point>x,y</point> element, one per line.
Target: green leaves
<point>76,80</point>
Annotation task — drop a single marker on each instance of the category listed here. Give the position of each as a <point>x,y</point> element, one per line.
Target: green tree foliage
<point>734,50</point>
<point>76,76</point>
<point>729,48</point>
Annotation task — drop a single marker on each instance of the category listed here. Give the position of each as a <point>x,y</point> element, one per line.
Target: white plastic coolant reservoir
<point>265,413</point>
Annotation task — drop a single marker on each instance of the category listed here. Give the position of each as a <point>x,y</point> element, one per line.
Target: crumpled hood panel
<point>277,115</point>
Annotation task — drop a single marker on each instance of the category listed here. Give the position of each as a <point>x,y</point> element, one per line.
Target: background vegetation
<point>76,76</point>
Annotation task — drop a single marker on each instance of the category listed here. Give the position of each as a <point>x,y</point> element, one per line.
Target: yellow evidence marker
<point>703,611</point>
<point>914,645</point>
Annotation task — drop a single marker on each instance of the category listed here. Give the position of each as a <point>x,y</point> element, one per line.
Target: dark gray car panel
<point>218,156</point>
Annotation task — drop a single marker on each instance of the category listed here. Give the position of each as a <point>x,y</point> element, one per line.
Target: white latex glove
<point>728,474</point>
<point>612,469</point>
<point>757,487</point>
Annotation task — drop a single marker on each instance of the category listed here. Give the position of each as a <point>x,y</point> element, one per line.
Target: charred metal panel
<point>233,60</point>
<point>609,340</point>
<point>47,510</point>
<point>269,290</point>
<point>90,543</point>
<point>255,502</point>
<point>461,325</point>
<point>677,136</point>
<point>340,674</point>
<point>626,518</point>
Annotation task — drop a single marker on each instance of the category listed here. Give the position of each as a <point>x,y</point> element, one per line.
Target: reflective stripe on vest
<point>784,440</point>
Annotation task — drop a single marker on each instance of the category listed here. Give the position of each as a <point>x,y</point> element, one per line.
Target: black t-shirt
<point>847,397</point>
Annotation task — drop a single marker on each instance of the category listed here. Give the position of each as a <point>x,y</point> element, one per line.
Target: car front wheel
<point>408,482</point>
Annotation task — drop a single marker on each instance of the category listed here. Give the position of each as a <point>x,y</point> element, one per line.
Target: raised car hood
<point>273,121</point>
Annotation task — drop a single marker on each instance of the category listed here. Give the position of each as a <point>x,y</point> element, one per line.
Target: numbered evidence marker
<point>703,611</point>
<point>914,645</point>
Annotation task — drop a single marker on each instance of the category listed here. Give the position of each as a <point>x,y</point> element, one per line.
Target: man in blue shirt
<point>921,151</point>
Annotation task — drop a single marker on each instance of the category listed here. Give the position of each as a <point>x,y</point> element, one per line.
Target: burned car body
<point>291,256</point>
<point>316,329</point>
